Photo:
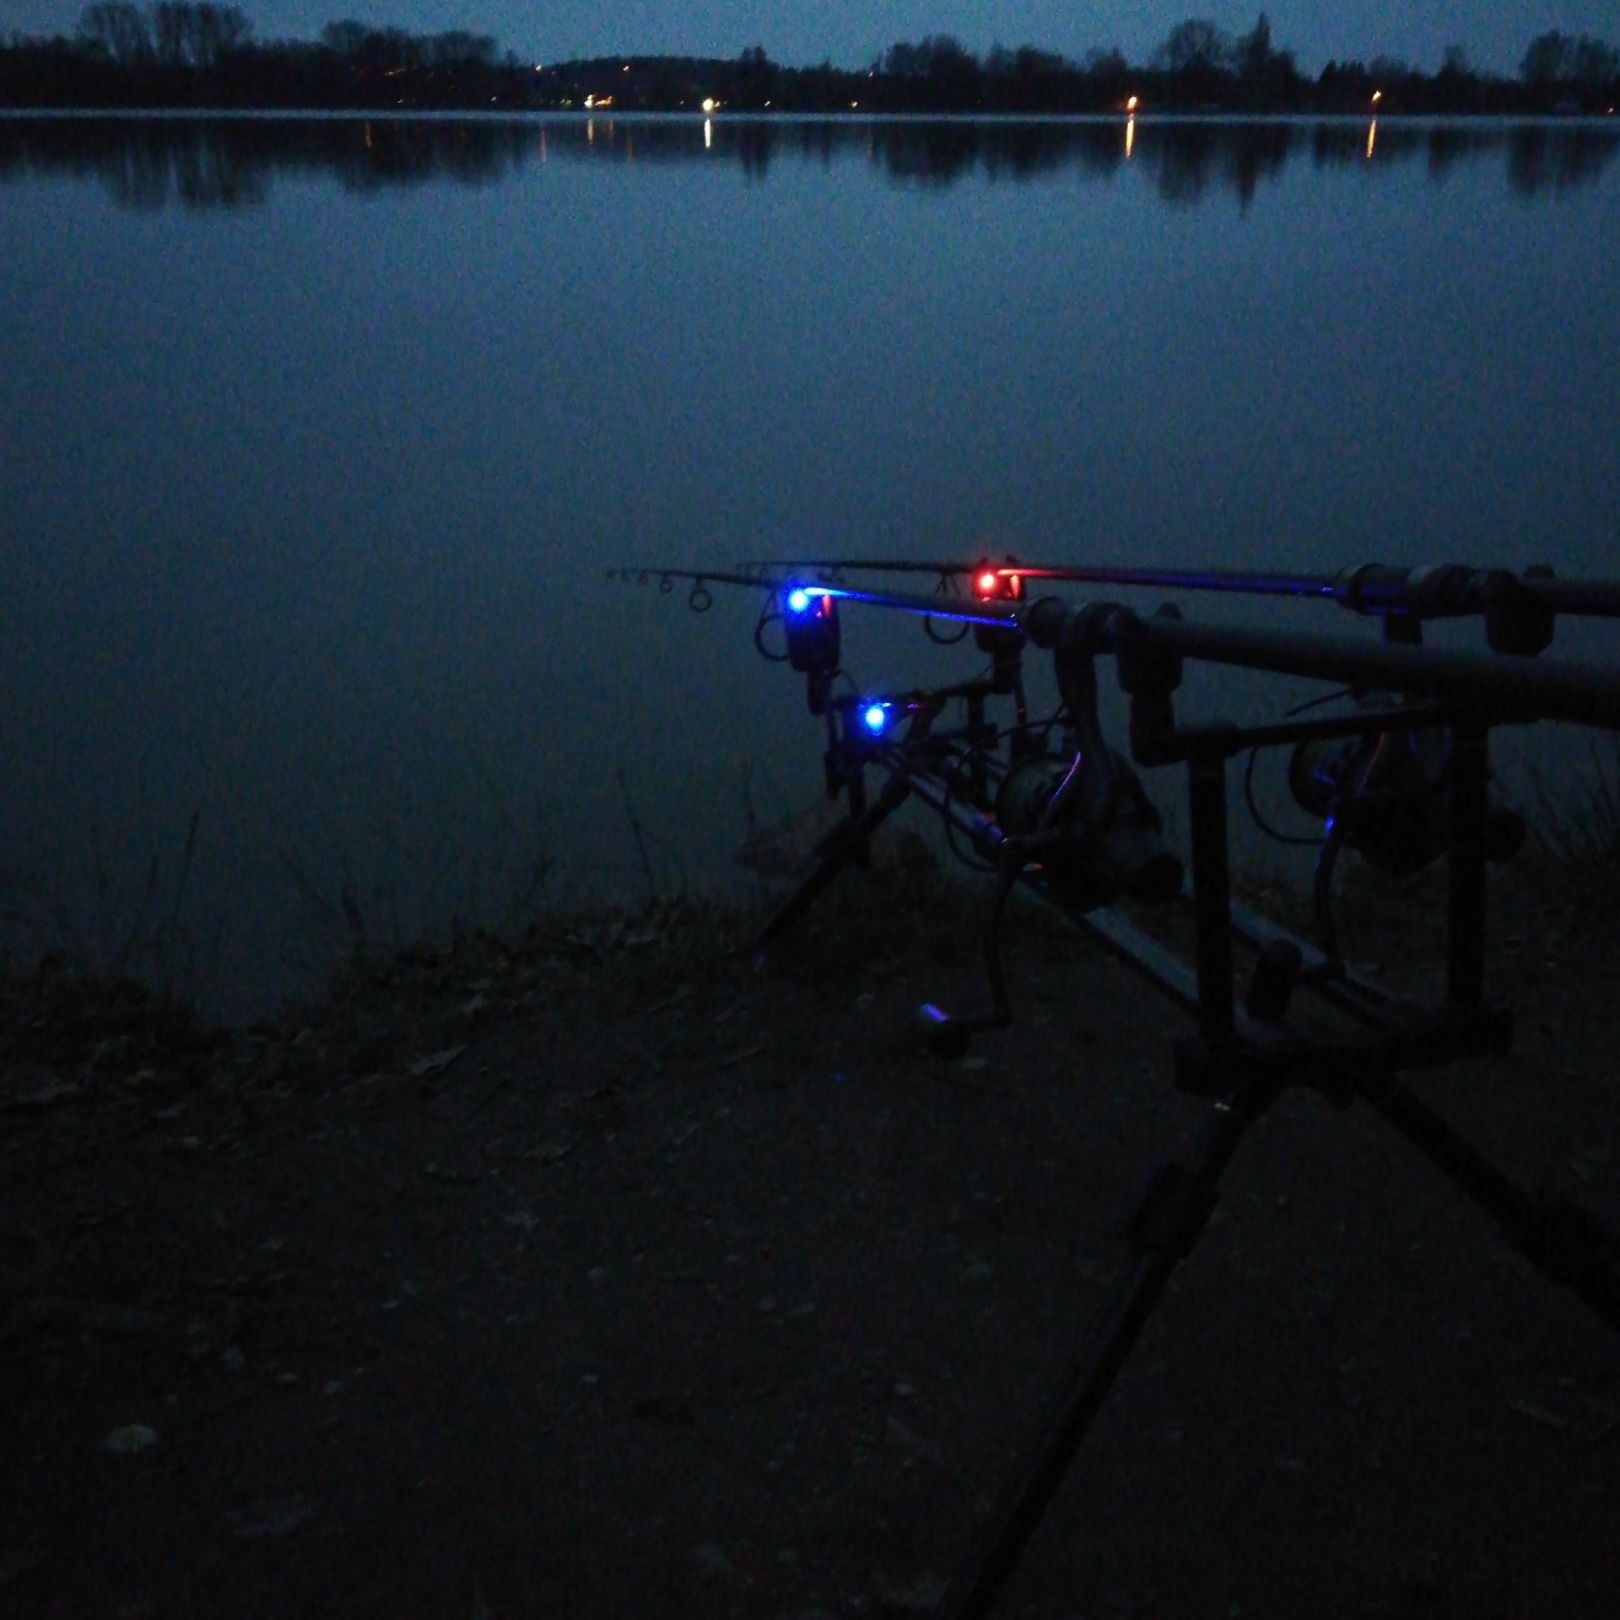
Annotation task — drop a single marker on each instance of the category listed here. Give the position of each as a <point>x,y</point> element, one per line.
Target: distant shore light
<point>1131,103</point>
<point>709,104</point>
<point>1378,95</point>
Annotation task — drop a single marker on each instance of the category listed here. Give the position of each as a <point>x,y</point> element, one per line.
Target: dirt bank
<point>613,1273</point>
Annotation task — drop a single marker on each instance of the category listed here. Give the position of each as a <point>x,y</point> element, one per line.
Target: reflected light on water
<point>1372,136</point>
<point>1130,135</point>
<point>708,134</point>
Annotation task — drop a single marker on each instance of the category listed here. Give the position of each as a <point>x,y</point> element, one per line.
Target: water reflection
<point>149,163</point>
<point>211,162</point>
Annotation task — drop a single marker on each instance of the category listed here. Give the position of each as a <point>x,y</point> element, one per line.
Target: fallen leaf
<point>711,1557</point>
<point>433,1062</point>
<point>133,1437</point>
<point>1540,1414</point>
<point>272,1517</point>
<point>920,1596</point>
<point>552,1152</point>
<point>57,1091</point>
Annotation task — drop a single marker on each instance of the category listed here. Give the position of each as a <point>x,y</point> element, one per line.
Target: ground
<point>615,1272</point>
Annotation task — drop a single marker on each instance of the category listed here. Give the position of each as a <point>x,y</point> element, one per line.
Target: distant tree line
<point>177,53</point>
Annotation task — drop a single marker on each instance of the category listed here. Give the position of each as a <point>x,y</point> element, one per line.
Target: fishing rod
<point>1441,589</point>
<point>1518,687</point>
<point>1518,607</point>
<point>1051,807</point>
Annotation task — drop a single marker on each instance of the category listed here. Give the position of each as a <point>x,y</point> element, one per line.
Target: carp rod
<point>1513,686</point>
<point>1443,590</point>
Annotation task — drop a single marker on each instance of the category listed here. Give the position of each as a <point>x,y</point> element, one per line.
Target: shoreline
<point>707,1271</point>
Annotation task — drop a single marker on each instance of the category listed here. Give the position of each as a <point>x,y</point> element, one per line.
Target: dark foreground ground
<point>612,1275</point>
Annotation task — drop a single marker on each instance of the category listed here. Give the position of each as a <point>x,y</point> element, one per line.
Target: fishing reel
<point>1388,797</point>
<point>1090,825</point>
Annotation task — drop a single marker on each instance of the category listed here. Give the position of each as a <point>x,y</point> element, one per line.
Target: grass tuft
<point>1578,829</point>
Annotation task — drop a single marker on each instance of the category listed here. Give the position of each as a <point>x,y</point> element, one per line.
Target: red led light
<point>987,582</point>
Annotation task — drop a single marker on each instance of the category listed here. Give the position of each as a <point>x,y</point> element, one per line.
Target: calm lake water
<point>318,436</point>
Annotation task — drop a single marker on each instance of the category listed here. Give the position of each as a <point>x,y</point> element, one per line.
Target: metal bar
<point>1597,598</point>
<point>1212,894</point>
<point>1360,723</point>
<point>1465,938</point>
<point>1561,1240</point>
<point>1521,688</point>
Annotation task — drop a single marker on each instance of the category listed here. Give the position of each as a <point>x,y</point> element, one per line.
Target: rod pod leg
<point>1175,1205</point>
<point>838,850</point>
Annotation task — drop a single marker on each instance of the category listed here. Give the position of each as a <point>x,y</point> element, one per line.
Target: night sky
<point>799,32</point>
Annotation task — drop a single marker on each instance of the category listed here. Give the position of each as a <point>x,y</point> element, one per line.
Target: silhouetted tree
<point>1252,54</point>
<point>937,71</point>
<point>1456,86</point>
<point>1196,45</point>
<point>753,82</point>
<point>1266,77</point>
<point>459,49</point>
<point>119,29</point>
<point>1549,59</point>
<point>346,37</point>
<point>1595,62</point>
<point>187,35</point>
<point>1195,57</point>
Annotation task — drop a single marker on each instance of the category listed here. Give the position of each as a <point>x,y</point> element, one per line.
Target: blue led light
<point>798,600</point>
<point>876,718</point>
